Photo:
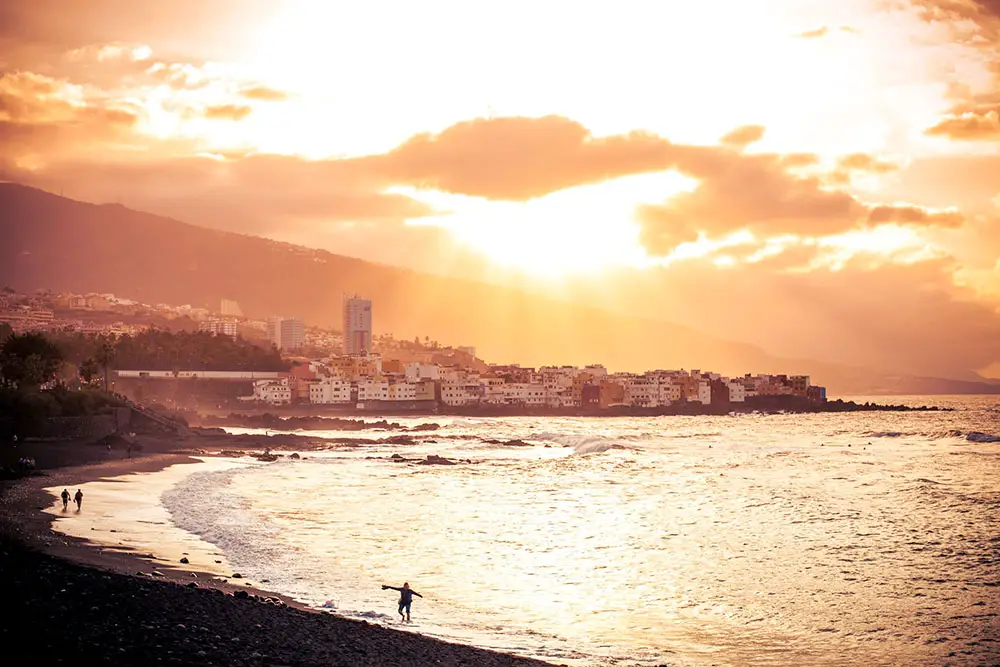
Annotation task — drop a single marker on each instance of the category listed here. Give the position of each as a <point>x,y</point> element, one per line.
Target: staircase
<point>171,424</point>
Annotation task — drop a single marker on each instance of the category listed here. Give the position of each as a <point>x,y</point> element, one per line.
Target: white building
<point>219,327</point>
<point>417,371</point>
<point>273,392</point>
<point>230,308</point>
<point>704,392</point>
<point>330,390</point>
<point>357,326</point>
<point>461,392</point>
<point>737,392</point>
<point>403,391</point>
<point>669,393</point>
<point>371,389</point>
<point>642,391</point>
<point>287,333</point>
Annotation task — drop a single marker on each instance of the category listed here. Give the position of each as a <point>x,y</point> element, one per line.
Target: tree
<point>29,360</point>
<point>105,355</point>
<point>89,370</point>
<point>5,332</point>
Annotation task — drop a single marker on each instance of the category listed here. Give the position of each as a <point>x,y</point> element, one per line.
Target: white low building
<point>373,390</point>
<point>417,371</point>
<point>273,392</point>
<point>461,393</point>
<point>403,391</point>
<point>330,390</point>
<point>737,392</point>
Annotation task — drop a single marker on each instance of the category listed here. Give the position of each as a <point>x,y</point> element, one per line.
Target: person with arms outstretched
<point>405,599</point>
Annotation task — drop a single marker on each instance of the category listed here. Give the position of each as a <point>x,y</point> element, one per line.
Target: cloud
<point>866,163</point>
<point>227,112</point>
<point>743,136</point>
<point>813,34</point>
<point>519,158</point>
<point>264,94</point>
<point>970,126</point>
<point>914,215</point>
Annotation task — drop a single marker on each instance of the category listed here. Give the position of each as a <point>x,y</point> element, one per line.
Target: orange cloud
<point>914,215</point>
<point>227,112</point>
<point>263,94</point>
<point>865,162</point>
<point>517,158</point>
<point>970,126</point>
<point>743,136</point>
<point>813,34</point>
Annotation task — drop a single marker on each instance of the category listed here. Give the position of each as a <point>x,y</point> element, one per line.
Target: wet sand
<point>134,603</point>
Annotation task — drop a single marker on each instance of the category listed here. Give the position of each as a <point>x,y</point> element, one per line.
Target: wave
<point>581,444</point>
<point>970,436</point>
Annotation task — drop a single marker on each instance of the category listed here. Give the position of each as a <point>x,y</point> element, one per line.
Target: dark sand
<point>69,601</point>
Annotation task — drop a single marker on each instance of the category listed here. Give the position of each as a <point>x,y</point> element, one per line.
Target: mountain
<point>65,245</point>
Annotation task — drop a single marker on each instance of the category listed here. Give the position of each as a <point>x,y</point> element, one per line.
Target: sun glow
<point>578,230</point>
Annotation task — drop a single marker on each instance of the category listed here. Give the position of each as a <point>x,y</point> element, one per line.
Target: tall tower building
<point>357,326</point>
<point>287,333</point>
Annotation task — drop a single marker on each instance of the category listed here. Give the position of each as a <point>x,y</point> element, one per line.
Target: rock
<point>237,575</point>
<point>156,574</point>
<point>395,456</point>
<point>185,560</point>
<point>434,459</point>
<point>241,594</point>
<point>218,561</point>
<point>192,585</point>
<point>294,456</point>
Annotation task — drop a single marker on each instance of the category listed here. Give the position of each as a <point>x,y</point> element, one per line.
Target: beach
<point>86,604</point>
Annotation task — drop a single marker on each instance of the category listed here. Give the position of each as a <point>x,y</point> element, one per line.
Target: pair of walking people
<point>78,498</point>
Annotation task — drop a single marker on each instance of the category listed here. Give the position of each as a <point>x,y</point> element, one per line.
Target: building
<point>287,333</point>
<point>219,327</point>
<point>373,389</point>
<point>230,308</point>
<point>330,390</point>
<point>357,326</point>
<point>273,392</point>
<point>417,371</point>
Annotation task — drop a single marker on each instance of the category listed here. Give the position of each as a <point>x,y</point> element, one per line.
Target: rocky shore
<point>75,603</point>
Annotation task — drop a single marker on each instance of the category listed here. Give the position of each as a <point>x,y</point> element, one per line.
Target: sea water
<point>865,538</point>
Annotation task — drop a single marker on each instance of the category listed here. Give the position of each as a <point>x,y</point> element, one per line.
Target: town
<point>354,369</point>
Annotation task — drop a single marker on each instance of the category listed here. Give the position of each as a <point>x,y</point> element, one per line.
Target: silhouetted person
<point>65,499</point>
<point>79,499</point>
<point>405,599</point>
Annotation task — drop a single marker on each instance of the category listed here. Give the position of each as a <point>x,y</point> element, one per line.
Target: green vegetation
<point>67,374</point>
<point>161,350</point>
<point>32,388</point>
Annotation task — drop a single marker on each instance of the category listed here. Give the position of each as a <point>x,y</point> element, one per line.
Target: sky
<point>821,179</point>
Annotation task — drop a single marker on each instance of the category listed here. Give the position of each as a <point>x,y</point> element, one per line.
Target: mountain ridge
<point>63,244</point>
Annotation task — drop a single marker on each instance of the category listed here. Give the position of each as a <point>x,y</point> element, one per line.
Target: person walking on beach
<point>65,499</point>
<point>79,499</point>
<point>405,599</point>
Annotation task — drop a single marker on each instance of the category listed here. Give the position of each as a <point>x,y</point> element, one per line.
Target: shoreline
<point>52,574</point>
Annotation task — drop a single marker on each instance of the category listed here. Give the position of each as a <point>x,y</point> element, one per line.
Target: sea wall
<point>90,427</point>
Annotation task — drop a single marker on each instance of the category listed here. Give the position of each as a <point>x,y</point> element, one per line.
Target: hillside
<point>65,245</point>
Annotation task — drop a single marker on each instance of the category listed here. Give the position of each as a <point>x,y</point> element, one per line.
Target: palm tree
<point>105,356</point>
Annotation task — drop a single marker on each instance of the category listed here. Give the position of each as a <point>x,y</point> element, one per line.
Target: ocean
<point>789,539</point>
